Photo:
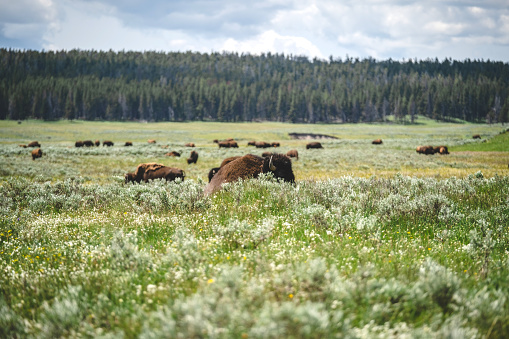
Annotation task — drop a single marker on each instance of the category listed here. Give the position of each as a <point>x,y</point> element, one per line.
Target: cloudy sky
<point>381,29</point>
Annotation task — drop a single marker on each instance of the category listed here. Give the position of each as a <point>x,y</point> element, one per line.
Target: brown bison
<point>293,153</point>
<point>193,158</point>
<point>213,171</point>
<point>443,150</point>
<point>36,153</point>
<point>314,144</point>
<point>34,144</point>
<point>251,166</point>
<point>151,171</point>
<point>173,154</point>
<point>228,144</point>
<point>275,144</point>
<point>23,145</point>
<point>151,141</point>
<point>251,143</point>
<point>108,143</point>
<point>476,136</point>
<point>262,144</point>
<point>88,143</point>
<point>190,144</point>
<point>267,154</point>
<point>78,143</point>
<point>425,150</point>
<point>97,143</point>
<point>128,143</point>
<point>377,142</point>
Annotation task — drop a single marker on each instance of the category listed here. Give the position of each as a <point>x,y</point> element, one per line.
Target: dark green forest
<point>184,86</point>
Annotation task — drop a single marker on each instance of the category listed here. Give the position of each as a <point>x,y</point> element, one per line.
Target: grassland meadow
<point>372,241</point>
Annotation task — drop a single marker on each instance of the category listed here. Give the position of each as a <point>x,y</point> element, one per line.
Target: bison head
<point>280,166</point>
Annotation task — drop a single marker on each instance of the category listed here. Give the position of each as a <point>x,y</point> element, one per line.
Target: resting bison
<point>151,171</point>
<point>442,150</point>
<point>377,142</point>
<point>250,166</point>
<point>251,143</point>
<point>293,154</point>
<point>78,143</point>
<point>425,150</point>
<point>314,144</point>
<point>36,153</point>
<point>193,158</point>
<point>107,143</point>
<point>34,144</point>
<point>173,154</point>
<point>151,141</point>
<point>476,136</point>
<point>228,144</point>
<point>97,143</point>
<point>128,143</point>
<point>262,144</point>
<point>88,143</point>
<point>189,144</point>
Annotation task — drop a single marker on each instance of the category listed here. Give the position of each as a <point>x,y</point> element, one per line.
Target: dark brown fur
<point>97,143</point>
<point>88,143</point>
<point>314,144</point>
<point>425,150</point>
<point>108,143</point>
<point>173,154</point>
<point>377,142</point>
<point>128,143</point>
<point>250,166</point>
<point>78,143</point>
<point>476,136</point>
<point>189,144</point>
<point>228,144</point>
<point>275,144</point>
<point>267,154</point>
<point>36,153</point>
<point>193,158</point>
<point>262,144</point>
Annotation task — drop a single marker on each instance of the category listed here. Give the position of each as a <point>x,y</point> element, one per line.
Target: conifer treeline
<point>157,86</point>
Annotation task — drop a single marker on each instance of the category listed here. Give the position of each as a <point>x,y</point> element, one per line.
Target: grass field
<point>371,241</point>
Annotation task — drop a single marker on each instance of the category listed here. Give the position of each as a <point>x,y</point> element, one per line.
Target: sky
<point>380,29</point>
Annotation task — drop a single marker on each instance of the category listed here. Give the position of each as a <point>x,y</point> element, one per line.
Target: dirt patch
<point>309,136</point>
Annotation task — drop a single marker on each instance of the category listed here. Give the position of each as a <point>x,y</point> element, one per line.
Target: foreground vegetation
<point>351,253</point>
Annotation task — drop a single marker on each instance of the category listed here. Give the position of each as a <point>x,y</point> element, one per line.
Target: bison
<point>314,144</point>
<point>275,144</point>
<point>262,144</point>
<point>443,150</point>
<point>88,143</point>
<point>213,171</point>
<point>151,141</point>
<point>267,154</point>
<point>251,143</point>
<point>476,136</point>
<point>251,166</point>
<point>377,142</point>
<point>193,158</point>
<point>425,150</point>
<point>78,143</point>
<point>34,144</point>
<point>293,153</point>
<point>173,154</point>
<point>107,143</point>
<point>228,144</point>
<point>97,143</point>
<point>23,145</point>
<point>190,144</point>
<point>151,171</point>
<point>128,143</point>
<point>36,153</point>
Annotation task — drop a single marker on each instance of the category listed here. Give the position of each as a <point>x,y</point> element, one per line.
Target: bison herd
<point>432,150</point>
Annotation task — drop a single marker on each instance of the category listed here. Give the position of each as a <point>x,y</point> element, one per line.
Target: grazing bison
<point>78,143</point>
<point>251,143</point>
<point>275,144</point>
<point>151,171</point>
<point>189,144</point>
<point>377,142</point>
<point>151,141</point>
<point>251,166</point>
<point>108,143</point>
<point>262,144</point>
<point>293,154</point>
<point>193,158</point>
<point>36,153</point>
<point>88,143</point>
<point>173,154</point>
<point>314,144</point>
<point>476,136</point>
<point>425,150</point>
<point>97,143</point>
<point>128,143</point>
<point>34,144</point>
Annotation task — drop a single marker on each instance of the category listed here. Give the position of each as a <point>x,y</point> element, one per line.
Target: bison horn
<point>271,165</point>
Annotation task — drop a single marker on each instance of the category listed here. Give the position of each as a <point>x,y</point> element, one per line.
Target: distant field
<point>351,154</point>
